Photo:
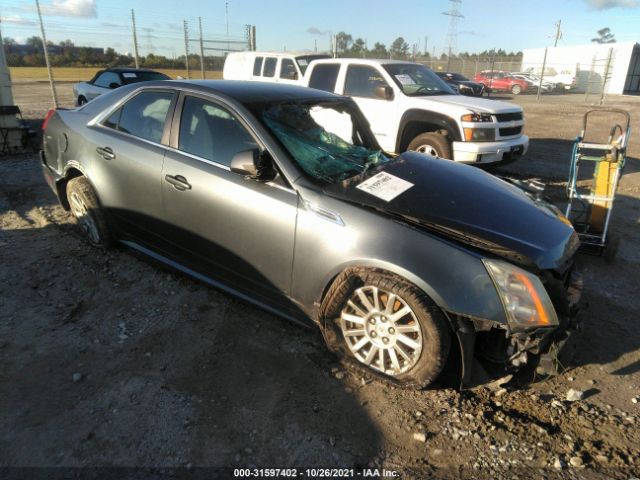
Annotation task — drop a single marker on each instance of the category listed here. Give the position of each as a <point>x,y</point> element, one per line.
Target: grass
<point>79,74</point>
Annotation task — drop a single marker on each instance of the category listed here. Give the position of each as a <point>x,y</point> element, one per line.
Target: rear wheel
<point>516,89</point>
<point>433,144</point>
<point>387,325</point>
<point>87,212</point>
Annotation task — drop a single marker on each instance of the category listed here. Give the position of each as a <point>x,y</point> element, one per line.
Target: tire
<point>516,89</point>
<point>81,100</point>
<point>432,143</point>
<point>420,329</point>
<point>85,208</point>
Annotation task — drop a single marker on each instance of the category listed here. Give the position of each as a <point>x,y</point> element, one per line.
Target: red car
<point>502,81</point>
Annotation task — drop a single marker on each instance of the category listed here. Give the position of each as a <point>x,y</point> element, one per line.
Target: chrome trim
<point>324,213</point>
<point>196,157</point>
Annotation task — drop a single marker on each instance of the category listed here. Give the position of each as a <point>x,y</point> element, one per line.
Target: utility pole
<point>253,38</point>
<point>135,38</point>
<point>426,45</point>
<point>54,95</point>
<point>201,48</point>
<point>186,48</point>
<point>558,33</point>
<point>452,33</point>
<point>544,66</point>
<point>226,14</point>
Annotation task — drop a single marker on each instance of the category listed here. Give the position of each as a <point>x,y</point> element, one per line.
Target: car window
<point>362,81</point>
<point>106,79</point>
<point>269,67</point>
<point>143,116</point>
<point>288,69</point>
<point>257,66</point>
<point>210,131</point>
<point>324,76</point>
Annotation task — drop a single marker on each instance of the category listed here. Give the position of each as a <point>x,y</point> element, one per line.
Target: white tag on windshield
<point>385,186</point>
<point>405,79</point>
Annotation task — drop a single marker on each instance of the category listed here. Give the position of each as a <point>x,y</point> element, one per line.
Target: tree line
<point>67,54</point>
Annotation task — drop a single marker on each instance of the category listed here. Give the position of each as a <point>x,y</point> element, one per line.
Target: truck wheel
<point>87,212</point>
<point>516,89</point>
<point>386,325</point>
<point>433,144</point>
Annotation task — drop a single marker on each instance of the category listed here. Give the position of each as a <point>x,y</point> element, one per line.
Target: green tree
<point>379,51</point>
<point>604,36</point>
<point>359,48</point>
<point>343,41</point>
<point>35,42</point>
<point>399,48</point>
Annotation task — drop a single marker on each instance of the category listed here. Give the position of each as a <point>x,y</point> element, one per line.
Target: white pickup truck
<point>410,108</point>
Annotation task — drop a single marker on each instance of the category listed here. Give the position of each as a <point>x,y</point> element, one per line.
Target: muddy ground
<point>107,360</point>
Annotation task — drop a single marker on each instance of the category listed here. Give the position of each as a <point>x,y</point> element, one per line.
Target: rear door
<point>127,149</point>
<point>237,230</point>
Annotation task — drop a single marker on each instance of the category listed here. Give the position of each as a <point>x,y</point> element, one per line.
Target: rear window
<point>257,66</point>
<point>269,67</point>
<point>324,77</point>
<point>143,116</point>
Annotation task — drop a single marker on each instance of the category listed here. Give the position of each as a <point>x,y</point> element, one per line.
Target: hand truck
<point>591,201</point>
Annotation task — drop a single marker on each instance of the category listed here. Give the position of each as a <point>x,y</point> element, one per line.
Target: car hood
<point>476,104</point>
<point>472,207</point>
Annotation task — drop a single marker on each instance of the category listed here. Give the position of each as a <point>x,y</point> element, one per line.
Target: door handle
<point>106,153</point>
<point>178,182</point>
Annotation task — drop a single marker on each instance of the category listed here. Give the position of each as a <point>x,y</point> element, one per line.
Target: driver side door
<point>360,84</point>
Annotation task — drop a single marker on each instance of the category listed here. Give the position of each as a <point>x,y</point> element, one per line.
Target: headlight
<point>525,300</point>
<point>477,117</point>
<point>479,134</point>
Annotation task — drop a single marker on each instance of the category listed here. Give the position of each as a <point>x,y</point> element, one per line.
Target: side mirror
<point>253,163</point>
<point>384,93</point>
<point>113,85</point>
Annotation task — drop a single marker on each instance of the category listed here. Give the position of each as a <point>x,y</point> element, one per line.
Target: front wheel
<point>87,212</point>
<point>388,326</point>
<point>516,89</point>
<point>433,144</point>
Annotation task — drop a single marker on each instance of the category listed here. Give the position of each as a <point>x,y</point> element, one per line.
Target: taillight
<point>48,117</point>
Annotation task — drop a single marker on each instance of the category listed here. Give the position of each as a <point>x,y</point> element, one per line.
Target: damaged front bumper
<point>544,350</point>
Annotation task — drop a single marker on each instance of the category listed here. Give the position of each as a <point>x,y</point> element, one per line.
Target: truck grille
<point>507,117</point>
<point>506,132</point>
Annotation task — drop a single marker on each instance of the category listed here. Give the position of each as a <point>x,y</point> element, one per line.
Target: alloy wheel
<point>381,330</point>
<point>428,149</point>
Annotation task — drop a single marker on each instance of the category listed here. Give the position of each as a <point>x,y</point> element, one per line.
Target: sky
<point>303,25</point>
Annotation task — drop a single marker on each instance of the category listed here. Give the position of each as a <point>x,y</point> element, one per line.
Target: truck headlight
<point>477,117</point>
<point>479,134</point>
<point>523,296</point>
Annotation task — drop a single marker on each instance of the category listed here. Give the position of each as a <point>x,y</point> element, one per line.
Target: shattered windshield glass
<point>323,138</point>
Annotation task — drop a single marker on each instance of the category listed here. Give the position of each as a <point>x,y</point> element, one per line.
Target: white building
<point>588,63</point>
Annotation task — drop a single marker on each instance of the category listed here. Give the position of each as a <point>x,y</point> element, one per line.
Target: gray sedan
<point>281,195</point>
<point>106,80</point>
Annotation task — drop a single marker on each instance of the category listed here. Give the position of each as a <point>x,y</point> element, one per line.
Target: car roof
<point>365,61</point>
<point>246,91</point>
<point>129,69</point>
<point>279,54</point>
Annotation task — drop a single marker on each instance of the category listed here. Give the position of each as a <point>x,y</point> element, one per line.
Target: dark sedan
<point>281,195</point>
<point>463,85</point>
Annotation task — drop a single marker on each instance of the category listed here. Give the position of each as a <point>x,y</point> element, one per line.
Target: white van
<point>268,66</point>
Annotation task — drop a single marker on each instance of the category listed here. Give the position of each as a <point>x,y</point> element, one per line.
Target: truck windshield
<point>304,61</point>
<point>325,139</point>
<point>417,80</point>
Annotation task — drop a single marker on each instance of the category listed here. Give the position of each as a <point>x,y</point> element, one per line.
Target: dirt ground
<point>107,360</point>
